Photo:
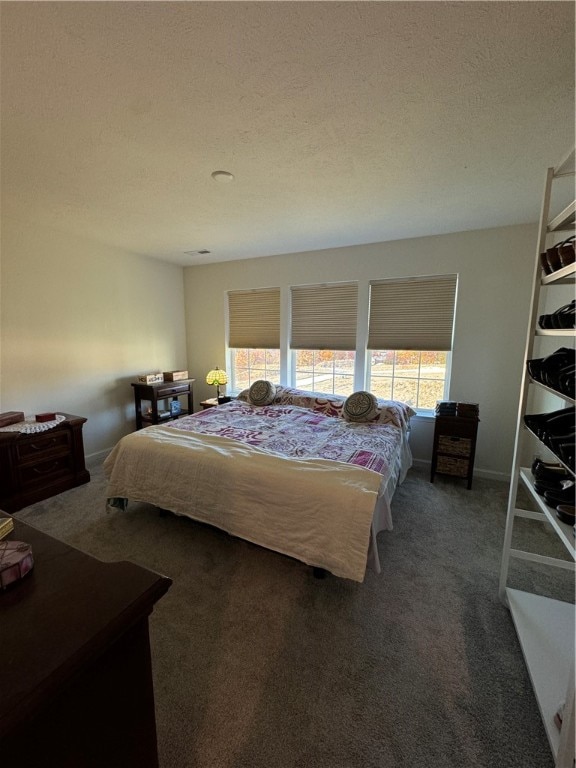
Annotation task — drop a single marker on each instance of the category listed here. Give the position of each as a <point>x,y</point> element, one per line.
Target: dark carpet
<point>257,664</point>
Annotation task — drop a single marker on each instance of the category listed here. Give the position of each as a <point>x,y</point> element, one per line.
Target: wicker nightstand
<point>454,447</point>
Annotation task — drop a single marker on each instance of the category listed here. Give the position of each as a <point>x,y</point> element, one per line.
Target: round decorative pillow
<point>360,406</point>
<point>262,392</point>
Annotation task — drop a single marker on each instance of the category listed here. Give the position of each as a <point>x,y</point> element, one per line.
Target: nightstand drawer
<point>47,471</point>
<point>41,446</point>
<point>455,446</point>
<point>172,389</point>
<point>452,466</point>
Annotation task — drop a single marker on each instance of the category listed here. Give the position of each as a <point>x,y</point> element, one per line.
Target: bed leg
<point>319,573</point>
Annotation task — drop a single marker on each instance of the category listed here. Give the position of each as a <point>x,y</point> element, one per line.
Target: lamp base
<point>223,399</point>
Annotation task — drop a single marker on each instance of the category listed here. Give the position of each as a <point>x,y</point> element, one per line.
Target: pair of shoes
<point>563,319</point>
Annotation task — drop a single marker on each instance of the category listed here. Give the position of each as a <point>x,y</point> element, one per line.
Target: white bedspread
<point>316,510</point>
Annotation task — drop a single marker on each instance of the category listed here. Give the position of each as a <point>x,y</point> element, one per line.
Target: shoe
<point>561,381</point>
<point>553,259</point>
<point>566,252</point>
<point>537,463</point>
<point>544,264</point>
<point>547,425</point>
<point>538,367</point>
<point>566,513</point>
<point>565,317</point>
<point>542,487</point>
<point>549,475</point>
<point>567,382</point>
<point>563,446</point>
<point>560,498</point>
<point>562,319</point>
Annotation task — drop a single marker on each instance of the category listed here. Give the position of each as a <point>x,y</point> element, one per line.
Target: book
<point>6,526</point>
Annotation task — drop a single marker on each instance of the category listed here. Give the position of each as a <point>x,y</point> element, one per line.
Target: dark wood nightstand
<point>210,403</point>
<point>454,447</point>
<point>155,393</point>
<point>37,466</point>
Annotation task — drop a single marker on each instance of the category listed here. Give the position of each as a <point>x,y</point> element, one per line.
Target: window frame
<point>294,368</point>
<point>231,362</point>
<point>447,371</point>
<point>362,353</point>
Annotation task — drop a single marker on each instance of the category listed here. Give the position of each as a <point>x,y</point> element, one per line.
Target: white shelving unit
<point>545,627</point>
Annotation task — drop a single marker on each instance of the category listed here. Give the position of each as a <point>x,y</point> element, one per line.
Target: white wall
<point>495,269</point>
<point>78,322</point>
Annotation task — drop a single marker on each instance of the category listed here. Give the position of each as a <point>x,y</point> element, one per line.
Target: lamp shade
<point>217,377</point>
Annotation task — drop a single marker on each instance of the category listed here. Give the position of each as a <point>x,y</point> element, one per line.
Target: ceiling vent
<point>202,252</point>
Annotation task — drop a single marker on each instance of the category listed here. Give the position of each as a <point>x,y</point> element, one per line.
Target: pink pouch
<point>15,561</point>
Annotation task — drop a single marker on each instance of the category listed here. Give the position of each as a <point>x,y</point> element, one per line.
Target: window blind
<point>324,316</point>
<point>412,313</point>
<point>254,319</point>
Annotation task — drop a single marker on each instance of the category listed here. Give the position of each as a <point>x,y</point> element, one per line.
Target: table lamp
<point>217,378</point>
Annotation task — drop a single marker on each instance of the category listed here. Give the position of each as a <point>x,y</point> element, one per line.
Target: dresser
<point>76,677</point>
<point>37,466</point>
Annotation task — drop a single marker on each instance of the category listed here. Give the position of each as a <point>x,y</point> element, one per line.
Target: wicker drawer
<point>451,466</point>
<point>455,446</point>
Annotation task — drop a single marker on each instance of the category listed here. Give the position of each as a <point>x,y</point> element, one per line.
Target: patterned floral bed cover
<point>285,457</point>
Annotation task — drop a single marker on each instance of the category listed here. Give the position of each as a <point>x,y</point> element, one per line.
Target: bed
<point>293,475</point>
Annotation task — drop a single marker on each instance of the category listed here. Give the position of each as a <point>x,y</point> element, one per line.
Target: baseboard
<point>95,459</point>
<point>486,474</point>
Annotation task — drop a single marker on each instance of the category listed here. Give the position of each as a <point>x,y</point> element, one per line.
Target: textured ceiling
<point>343,123</point>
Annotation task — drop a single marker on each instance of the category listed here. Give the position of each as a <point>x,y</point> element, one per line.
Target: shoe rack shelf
<point>552,391</point>
<point>561,334</point>
<point>544,626</point>
<point>564,275</point>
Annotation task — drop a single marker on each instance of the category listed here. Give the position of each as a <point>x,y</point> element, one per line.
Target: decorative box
<point>11,417</point>
<point>40,417</point>
<point>150,378</point>
<point>15,561</point>
<point>175,375</point>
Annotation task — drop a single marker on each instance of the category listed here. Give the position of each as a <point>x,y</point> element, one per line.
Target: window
<point>249,365</point>
<point>410,331</point>
<point>323,336</point>
<point>396,343</point>
<point>254,336</point>
<point>321,370</point>
<point>416,377</point>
